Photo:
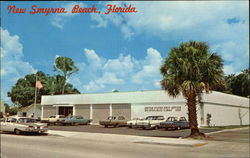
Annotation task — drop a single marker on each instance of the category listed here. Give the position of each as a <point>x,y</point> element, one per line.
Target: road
<point>52,146</point>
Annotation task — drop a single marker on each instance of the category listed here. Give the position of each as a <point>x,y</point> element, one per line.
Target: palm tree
<point>192,69</point>
<point>65,66</point>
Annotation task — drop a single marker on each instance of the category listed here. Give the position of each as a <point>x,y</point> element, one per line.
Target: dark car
<point>175,123</point>
<point>75,120</point>
<point>114,121</point>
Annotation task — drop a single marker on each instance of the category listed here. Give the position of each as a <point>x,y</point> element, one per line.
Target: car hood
<point>167,122</point>
<point>32,124</point>
<point>144,121</point>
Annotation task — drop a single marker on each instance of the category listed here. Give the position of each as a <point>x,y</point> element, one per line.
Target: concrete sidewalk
<point>227,130</point>
<point>129,138</point>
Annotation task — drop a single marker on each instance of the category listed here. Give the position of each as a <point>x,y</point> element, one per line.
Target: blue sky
<point>119,51</point>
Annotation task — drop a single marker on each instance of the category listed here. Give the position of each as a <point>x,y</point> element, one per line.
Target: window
<point>61,116</point>
<point>149,118</point>
<point>182,119</point>
<point>172,119</point>
<point>24,114</point>
<point>52,117</point>
<point>27,120</point>
<point>111,118</point>
<point>12,120</point>
<point>160,118</point>
<point>121,118</point>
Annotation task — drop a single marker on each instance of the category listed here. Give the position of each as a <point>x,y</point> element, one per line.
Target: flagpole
<point>35,96</point>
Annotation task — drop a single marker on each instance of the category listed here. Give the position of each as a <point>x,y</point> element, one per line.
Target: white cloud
<point>108,78</point>
<point>122,73</point>
<point>149,68</point>
<point>122,65</point>
<point>235,54</point>
<point>177,21</point>
<point>12,64</point>
<point>93,59</point>
<point>59,20</point>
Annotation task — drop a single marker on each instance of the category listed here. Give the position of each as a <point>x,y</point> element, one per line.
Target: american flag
<point>39,84</point>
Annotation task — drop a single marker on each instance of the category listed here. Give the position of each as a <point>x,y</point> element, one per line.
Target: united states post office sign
<point>161,108</point>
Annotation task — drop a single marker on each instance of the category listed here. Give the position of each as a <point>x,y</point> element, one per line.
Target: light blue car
<point>75,120</point>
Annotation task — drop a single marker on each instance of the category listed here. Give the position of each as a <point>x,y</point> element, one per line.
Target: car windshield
<point>27,120</point>
<point>172,119</point>
<point>111,118</point>
<point>150,118</point>
<point>160,118</point>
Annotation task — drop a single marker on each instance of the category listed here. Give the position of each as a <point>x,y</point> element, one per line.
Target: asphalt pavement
<point>97,145</point>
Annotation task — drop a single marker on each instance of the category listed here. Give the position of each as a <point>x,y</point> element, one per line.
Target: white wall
<point>226,115</point>
<point>29,112</point>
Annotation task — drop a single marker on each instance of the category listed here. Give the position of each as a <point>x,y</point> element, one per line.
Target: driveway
<point>129,131</point>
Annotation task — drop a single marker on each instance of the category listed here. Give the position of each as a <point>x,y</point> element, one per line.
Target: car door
<point>159,119</point>
<point>4,125</point>
<point>78,119</point>
<point>183,122</point>
<point>10,124</point>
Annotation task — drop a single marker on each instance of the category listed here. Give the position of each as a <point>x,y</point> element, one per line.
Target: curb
<point>172,144</point>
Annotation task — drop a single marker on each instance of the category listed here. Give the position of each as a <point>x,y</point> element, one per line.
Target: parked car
<point>114,121</point>
<point>75,120</point>
<point>175,123</point>
<point>151,122</point>
<point>54,119</point>
<point>133,123</point>
<point>23,124</point>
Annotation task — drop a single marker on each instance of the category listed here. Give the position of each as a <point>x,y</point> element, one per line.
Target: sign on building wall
<point>161,108</point>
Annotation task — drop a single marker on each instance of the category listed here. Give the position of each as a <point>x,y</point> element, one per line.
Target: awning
<point>63,105</point>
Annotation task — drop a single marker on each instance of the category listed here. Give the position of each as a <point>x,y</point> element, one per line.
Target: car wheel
<point>17,132</point>
<point>130,125</point>
<point>166,128</point>
<point>106,126</point>
<point>156,127</point>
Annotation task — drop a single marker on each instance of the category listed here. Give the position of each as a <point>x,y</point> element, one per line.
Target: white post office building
<point>224,109</point>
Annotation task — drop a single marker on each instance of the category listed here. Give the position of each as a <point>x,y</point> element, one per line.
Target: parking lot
<point>129,131</point>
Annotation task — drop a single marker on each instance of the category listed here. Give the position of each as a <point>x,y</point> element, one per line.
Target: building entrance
<point>66,111</point>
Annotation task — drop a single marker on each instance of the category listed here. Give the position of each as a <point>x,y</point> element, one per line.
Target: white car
<point>54,119</point>
<point>133,123</point>
<point>151,122</point>
<point>22,124</point>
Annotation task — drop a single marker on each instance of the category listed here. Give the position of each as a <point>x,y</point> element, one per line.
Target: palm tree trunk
<point>64,83</point>
<point>191,102</point>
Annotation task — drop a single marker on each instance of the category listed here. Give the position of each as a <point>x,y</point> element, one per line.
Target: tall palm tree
<point>192,69</point>
<point>65,66</point>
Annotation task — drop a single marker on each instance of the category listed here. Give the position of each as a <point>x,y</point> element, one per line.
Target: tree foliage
<point>66,67</point>
<point>23,92</point>
<point>192,69</point>
<point>238,84</point>
<point>12,110</point>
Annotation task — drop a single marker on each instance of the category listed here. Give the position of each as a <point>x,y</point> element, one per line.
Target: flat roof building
<point>225,109</point>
